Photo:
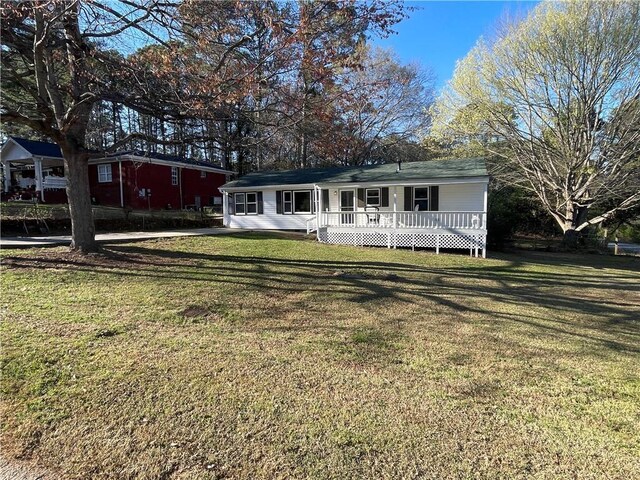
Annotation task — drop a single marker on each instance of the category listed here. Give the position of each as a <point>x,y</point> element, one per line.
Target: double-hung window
<point>421,198</point>
<point>372,197</point>
<point>287,202</point>
<point>174,175</point>
<point>104,173</point>
<point>246,203</point>
<point>252,203</point>
<point>239,202</point>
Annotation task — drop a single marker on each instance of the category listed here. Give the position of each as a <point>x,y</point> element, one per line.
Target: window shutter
<point>325,200</point>
<point>408,199</point>
<point>313,201</point>
<point>278,201</point>
<point>384,197</point>
<point>360,197</point>
<point>260,204</point>
<point>231,204</point>
<point>434,200</point>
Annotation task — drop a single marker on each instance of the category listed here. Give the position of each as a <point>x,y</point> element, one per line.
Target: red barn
<point>133,179</point>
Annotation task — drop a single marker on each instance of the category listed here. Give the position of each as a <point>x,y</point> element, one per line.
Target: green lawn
<point>266,356</point>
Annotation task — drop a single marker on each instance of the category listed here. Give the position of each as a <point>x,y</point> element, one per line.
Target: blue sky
<point>440,32</point>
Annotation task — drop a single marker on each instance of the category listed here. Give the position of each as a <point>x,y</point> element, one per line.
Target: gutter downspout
<point>121,187</point>
<point>180,184</point>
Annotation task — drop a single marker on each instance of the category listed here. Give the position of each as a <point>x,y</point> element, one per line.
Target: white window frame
<point>236,202</point>
<point>105,175</point>
<point>287,210</point>
<point>245,203</point>
<point>427,198</point>
<point>174,176</point>
<point>294,192</point>
<point>254,202</point>
<point>366,197</point>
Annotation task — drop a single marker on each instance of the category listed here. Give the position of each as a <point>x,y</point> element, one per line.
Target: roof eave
<point>158,161</point>
<point>379,183</point>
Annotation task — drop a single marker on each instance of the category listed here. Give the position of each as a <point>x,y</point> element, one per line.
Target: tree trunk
<point>83,235</point>
<point>570,239</point>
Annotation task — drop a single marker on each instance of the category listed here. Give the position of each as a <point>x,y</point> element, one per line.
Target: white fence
<point>52,183</point>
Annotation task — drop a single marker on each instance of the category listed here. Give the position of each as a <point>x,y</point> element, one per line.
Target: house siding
<point>452,197</point>
<point>269,220</point>
<point>462,197</point>
<point>107,193</point>
<point>138,176</point>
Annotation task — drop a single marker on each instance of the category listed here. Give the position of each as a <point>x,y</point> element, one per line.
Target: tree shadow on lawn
<point>476,288</point>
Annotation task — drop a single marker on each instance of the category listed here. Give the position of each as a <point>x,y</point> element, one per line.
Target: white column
<point>225,209</point>
<point>318,193</point>
<point>484,218</point>
<point>485,196</point>
<point>38,169</point>
<point>7,175</point>
<point>395,208</point>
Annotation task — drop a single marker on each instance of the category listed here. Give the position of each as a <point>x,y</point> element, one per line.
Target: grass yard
<point>268,356</point>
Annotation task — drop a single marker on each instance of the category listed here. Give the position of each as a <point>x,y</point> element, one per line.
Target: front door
<point>347,204</point>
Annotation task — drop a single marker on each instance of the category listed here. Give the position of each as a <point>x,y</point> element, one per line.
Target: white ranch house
<point>434,204</point>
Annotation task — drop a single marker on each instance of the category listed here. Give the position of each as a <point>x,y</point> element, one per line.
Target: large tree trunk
<point>83,235</point>
<point>575,216</point>
<point>570,239</point>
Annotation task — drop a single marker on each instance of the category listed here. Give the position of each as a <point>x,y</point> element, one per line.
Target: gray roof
<point>410,172</point>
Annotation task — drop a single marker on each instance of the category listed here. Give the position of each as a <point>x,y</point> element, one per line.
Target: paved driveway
<point>26,242</point>
<point>632,248</point>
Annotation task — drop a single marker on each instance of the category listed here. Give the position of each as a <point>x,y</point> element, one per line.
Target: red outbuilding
<point>132,179</point>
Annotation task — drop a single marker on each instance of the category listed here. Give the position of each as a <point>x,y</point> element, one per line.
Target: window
<point>246,203</point>
<point>421,198</point>
<point>372,197</point>
<point>203,174</point>
<point>252,203</point>
<point>174,175</point>
<point>302,201</point>
<point>238,200</point>
<point>104,173</point>
<point>287,201</point>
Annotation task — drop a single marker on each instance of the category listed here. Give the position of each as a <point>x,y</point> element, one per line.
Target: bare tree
<point>58,62</point>
<point>562,90</point>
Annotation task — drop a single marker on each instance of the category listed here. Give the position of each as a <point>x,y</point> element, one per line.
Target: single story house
<point>430,204</point>
<point>132,179</point>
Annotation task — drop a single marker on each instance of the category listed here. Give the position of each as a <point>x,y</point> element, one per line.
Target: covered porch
<point>29,174</point>
<point>412,216</point>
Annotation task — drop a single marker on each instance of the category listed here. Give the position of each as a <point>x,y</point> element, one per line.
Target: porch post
<point>7,176</point>
<point>395,207</point>
<point>484,219</point>
<point>485,197</point>
<point>225,208</point>
<point>38,170</point>
<point>318,193</point>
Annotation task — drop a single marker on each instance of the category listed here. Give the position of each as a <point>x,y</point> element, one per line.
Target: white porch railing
<point>311,225</point>
<point>468,220</point>
<point>54,182</point>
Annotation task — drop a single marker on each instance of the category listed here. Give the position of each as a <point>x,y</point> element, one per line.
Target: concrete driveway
<point>28,242</point>
<point>628,248</point>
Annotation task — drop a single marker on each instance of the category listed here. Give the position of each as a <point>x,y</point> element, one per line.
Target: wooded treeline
<point>259,85</point>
